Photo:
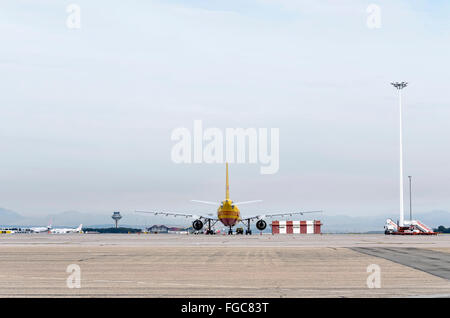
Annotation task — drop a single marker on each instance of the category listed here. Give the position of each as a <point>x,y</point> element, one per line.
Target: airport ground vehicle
<point>413,227</point>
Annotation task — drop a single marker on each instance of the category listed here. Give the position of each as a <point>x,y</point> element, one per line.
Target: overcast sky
<point>86,114</point>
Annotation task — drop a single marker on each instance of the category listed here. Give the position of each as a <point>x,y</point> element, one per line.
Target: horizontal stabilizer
<point>206,202</point>
<point>247,202</point>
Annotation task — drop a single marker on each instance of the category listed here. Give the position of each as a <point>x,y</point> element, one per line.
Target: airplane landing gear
<point>248,232</point>
<point>209,230</point>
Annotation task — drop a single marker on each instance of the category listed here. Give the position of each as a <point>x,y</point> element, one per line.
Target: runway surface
<point>221,266</point>
<point>433,262</point>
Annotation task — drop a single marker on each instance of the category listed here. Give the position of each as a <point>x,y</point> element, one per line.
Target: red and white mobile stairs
<point>412,227</point>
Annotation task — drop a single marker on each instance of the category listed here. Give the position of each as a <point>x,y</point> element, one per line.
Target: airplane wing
<point>263,216</point>
<point>175,214</point>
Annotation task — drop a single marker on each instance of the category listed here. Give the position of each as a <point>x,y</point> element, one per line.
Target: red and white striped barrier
<point>296,227</point>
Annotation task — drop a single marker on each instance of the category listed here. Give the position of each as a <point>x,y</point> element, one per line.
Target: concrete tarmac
<point>215,266</point>
<point>430,261</point>
<point>256,240</point>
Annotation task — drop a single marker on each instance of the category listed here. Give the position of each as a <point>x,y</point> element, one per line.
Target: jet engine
<point>261,225</point>
<point>197,225</point>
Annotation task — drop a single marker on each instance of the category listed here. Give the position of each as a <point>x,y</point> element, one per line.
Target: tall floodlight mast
<point>410,199</point>
<point>399,87</point>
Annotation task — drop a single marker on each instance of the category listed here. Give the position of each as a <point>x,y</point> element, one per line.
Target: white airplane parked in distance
<point>41,229</point>
<point>65,230</point>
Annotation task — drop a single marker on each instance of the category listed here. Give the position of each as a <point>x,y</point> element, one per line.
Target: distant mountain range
<point>9,217</point>
<point>331,223</point>
<point>67,218</point>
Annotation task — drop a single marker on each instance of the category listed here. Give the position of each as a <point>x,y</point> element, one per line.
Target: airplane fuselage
<point>228,213</point>
<point>40,229</point>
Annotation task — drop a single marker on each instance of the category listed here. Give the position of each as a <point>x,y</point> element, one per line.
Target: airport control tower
<point>116,217</point>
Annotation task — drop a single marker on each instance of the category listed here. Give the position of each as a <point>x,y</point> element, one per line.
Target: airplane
<point>41,229</point>
<point>228,214</point>
<point>66,230</point>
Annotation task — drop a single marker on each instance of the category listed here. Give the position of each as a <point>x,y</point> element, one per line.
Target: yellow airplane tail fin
<point>227,193</point>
